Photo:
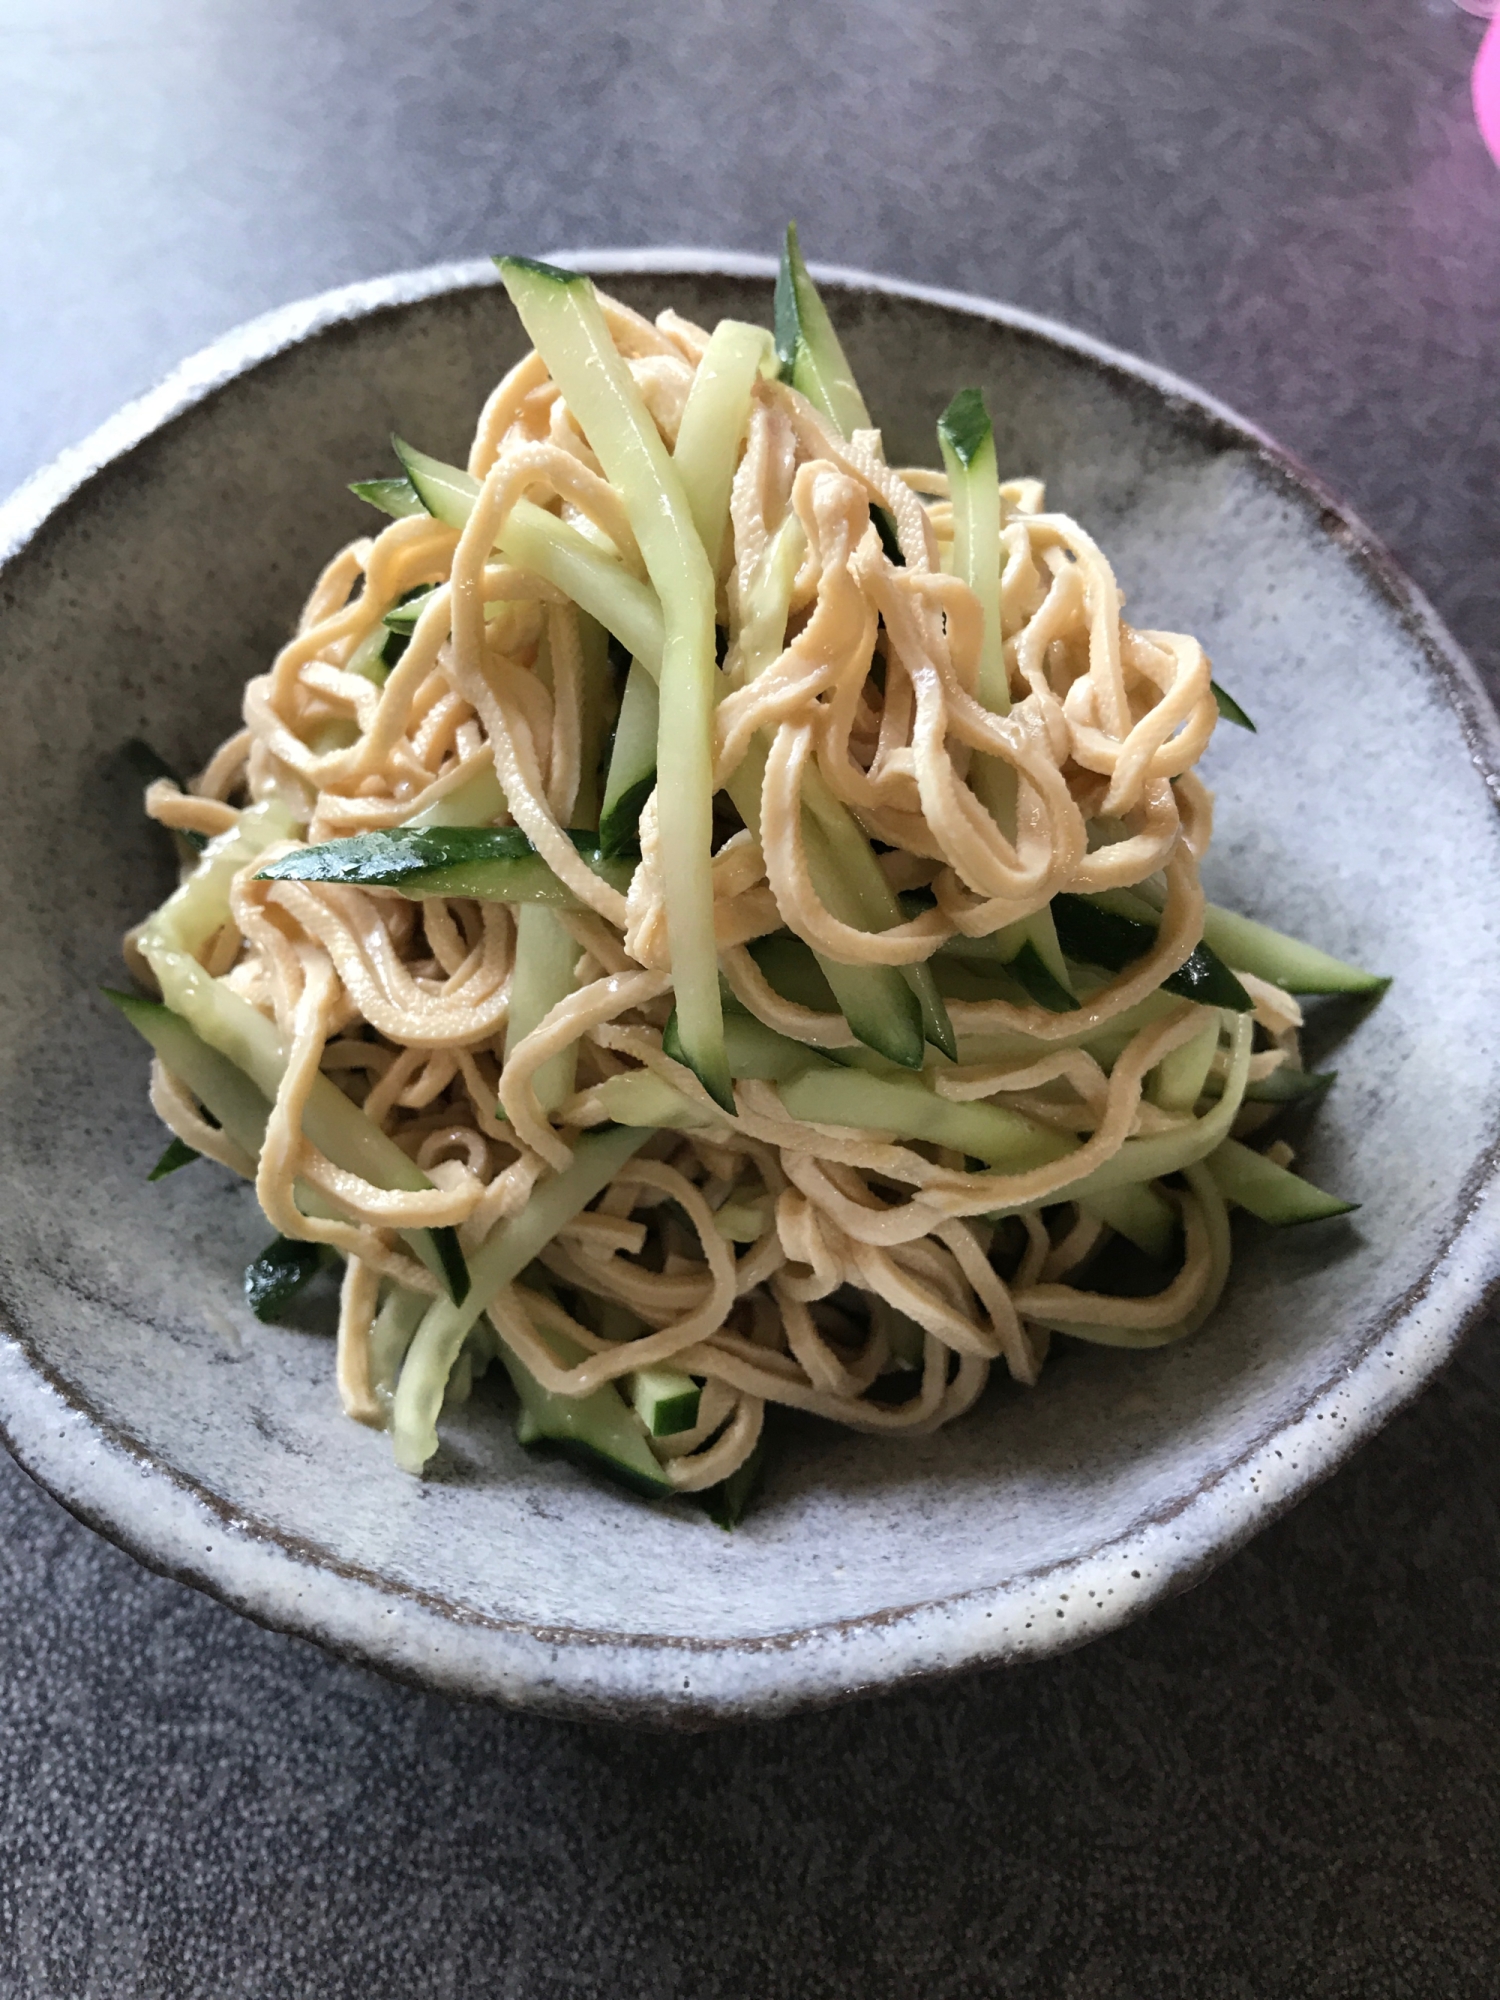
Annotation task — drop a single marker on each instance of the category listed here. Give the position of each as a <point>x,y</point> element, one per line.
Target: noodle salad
<point>705,919</point>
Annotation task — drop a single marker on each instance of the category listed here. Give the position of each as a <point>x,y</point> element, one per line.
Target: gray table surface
<point>1284,1783</point>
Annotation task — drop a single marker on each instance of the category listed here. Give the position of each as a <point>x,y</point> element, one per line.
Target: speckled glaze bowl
<point>150,572</point>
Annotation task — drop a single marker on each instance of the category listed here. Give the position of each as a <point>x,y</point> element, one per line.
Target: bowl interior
<point>143,605</point>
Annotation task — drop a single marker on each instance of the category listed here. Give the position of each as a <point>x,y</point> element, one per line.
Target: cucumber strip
<point>632,763</point>
<point>218,1085</point>
<point>1229,708</point>
<point>1040,982</point>
<point>1285,1085</point>
<point>176,1154</point>
<point>397,497</point>
<point>596,712</point>
<point>880,1005</point>
<point>763,620</point>
<point>1177,1082</point>
<point>224,1090</point>
<point>906,1107</point>
<point>795,971</point>
<point>885,1008</point>
<point>242,1110</point>
<point>504,1254</point>
<point>968,445</point>
<point>643,1100</point>
<point>814,363</point>
<point>478,801</point>
<point>753,1049</point>
<point>148,766</point>
<point>1273,1193</point>
<point>541,976</point>
<point>1094,934</point>
<point>552,549</point>
<point>228,1022</point>
<point>713,426</point>
<point>401,620</point>
<point>597,582</point>
<point>561,314</point>
<point>808,349</point>
<point>496,864</point>
<point>276,1276</point>
<point>1170,1152</point>
<point>1285,961</point>
<point>399,1316</point>
<point>447,493</point>
<point>665,1400</point>
<point>1041,933</point>
<point>856,867</point>
<point>727,1503</point>
<point>743,1221</point>
<point>792,970</point>
<point>368,659</point>
<point>598,1431</point>
<point>1139,1214</point>
<point>904,1337</point>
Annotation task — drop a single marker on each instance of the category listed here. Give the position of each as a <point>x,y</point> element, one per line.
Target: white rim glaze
<point>186,1532</point>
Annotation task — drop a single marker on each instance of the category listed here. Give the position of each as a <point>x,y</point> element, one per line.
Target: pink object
<point>1487,89</point>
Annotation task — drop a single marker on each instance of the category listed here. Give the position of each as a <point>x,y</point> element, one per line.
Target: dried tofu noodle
<point>869,1277</point>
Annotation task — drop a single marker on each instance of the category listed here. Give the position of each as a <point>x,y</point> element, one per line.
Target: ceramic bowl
<point>148,574</point>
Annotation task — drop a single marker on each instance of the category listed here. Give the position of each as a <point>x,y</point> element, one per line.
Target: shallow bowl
<point>150,572</point>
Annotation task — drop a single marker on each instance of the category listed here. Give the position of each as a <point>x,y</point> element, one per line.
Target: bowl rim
<point>179,1528</point>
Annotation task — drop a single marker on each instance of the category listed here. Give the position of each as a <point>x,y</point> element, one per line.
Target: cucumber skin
<point>1097,936</point>
<point>599,1431</point>
<point>1029,967</point>
<point>1286,961</point>
<point>397,497</point>
<point>811,358</point>
<point>494,864</point>
<point>274,1278</point>
<point>1274,1194</point>
<point>727,1503</point>
<point>568,329</point>
<point>176,1155</point>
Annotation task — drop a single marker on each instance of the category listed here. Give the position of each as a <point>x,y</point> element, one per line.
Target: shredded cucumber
<point>1094,933</point>
<point>495,864</point>
<point>561,314</point>
<point>632,762</point>
<point>1171,1152</point>
<point>224,1090</point>
<point>665,1400</point>
<point>503,1255</point>
<point>175,1155</point>
<point>596,581</point>
<point>906,1107</point>
<point>808,349</point>
<point>599,1430</point>
<point>597,705</point>
<point>228,1022</point>
<point>1177,1082</point>
<point>1140,1214</point>
<point>1273,1193</point>
<point>713,426</point>
<point>541,975</point>
<point>968,446</point>
<point>477,801</point>
<point>1229,708</point>
<point>396,497</point>
<point>641,1098</point>
<point>1285,961</point>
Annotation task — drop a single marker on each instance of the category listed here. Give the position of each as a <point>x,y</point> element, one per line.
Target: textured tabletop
<point>1286,1783</point>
